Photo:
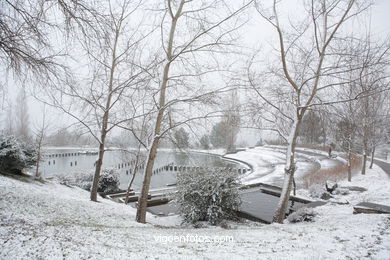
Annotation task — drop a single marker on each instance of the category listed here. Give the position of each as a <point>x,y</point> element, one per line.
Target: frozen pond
<point>71,160</point>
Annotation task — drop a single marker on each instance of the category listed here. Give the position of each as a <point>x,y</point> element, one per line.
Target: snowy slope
<point>52,221</point>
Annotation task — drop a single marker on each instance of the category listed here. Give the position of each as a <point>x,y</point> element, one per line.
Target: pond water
<point>68,161</point>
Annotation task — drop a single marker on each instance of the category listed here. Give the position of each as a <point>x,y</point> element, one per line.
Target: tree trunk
<point>364,163</point>
<point>349,165</point>
<point>365,149</point>
<point>104,130</point>
<point>103,135</point>
<point>294,186</point>
<point>142,201</point>
<point>280,212</point>
<point>129,188</point>
<point>289,171</point>
<point>135,169</point>
<point>324,135</point>
<point>96,176</point>
<point>372,157</point>
<point>39,155</point>
<point>37,174</point>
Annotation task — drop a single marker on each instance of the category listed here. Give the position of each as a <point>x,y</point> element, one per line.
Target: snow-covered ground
<point>53,221</point>
<point>268,164</point>
<point>375,181</point>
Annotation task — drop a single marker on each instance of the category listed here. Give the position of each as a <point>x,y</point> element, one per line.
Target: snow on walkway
<point>263,161</point>
<point>268,164</point>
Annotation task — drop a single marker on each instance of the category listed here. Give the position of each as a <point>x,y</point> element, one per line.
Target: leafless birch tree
<point>309,65</point>
<point>191,31</point>
<point>114,74</point>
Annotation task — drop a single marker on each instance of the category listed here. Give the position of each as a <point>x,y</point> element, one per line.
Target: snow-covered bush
<point>15,155</point>
<point>319,191</point>
<point>108,181</point>
<point>302,214</point>
<point>316,190</point>
<point>72,179</point>
<point>207,195</point>
<point>340,191</point>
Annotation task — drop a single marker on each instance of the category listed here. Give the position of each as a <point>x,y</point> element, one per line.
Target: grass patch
<point>24,178</point>
<point>20,177</point>
<point>337,173</point>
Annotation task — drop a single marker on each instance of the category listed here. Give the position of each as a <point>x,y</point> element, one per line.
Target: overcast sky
<point>255,34</point>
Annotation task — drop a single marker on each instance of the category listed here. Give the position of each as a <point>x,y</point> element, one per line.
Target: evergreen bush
<point>207,195</point>
<point>15,155</point>
<point>108,181</point>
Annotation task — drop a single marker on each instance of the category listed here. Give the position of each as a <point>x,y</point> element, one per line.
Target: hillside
<point>53,221</point>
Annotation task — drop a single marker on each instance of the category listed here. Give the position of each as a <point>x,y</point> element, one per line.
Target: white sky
<point>255,34</point>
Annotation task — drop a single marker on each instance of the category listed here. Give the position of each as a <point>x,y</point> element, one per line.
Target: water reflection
<point>68,161</point>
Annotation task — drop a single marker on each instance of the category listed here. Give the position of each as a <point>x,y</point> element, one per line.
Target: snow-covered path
<point>384,165</point>
<point>268,164</point>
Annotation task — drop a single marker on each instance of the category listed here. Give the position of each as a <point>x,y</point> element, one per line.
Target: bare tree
<point>22,117</point>
<point>224,133</point>
<point>346,129</point>
<point>26,44</point>
<point>194,31</point>
<point>65,136</point>
<point>204,142</point>
<point>136,168</point>
<point>140,131</point>
<point>372,112</point>
<point>114,92</point>
<point>381,123</point>
<point>22,26</point>
<point>311,129</point>
<point>40,135</point>
<point>116,74</point>
<point>232,120</point>
<point>309,66</point>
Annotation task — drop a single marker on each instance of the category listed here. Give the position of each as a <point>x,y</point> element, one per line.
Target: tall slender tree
<point>116,73</point>
<point>190,32</point>
<point>309,63</point>
<point>22,117</point>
